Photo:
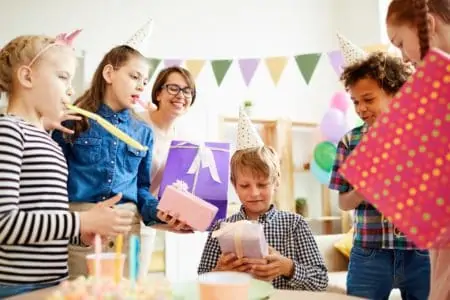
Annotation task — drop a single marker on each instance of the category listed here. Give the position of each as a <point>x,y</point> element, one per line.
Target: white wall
<point>207,29</point>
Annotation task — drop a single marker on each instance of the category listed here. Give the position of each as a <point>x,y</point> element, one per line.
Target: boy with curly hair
<point>382,258</point>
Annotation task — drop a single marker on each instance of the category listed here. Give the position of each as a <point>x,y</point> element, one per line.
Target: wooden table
<point>278,295</point>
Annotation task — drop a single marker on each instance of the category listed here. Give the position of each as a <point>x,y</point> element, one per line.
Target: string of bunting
<point>306,64</point>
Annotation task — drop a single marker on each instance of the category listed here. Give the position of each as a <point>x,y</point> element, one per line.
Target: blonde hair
<point>20,51</point>
<point>261,161</point>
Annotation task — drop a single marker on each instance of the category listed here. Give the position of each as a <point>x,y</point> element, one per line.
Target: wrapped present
<point>192,210</point>
<point>244,238</point>
<point>402,165</point>
<point>205,167</point>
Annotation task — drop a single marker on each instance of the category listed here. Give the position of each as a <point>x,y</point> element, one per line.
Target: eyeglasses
<point>174,90</point>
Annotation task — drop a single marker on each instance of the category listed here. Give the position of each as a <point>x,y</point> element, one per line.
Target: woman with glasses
<point>173,94</point>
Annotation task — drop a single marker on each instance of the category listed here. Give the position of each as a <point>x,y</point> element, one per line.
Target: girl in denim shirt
<point>101,165</point>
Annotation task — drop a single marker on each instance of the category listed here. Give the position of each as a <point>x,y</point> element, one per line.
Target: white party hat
<point>247,135</point>
<point>139,40</point>
<point>350,51</point>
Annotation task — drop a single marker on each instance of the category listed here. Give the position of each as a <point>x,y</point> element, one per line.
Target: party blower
<point>108,126</point>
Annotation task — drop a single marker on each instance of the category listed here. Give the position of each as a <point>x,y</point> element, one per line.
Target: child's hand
<point>88,239</point>
<point>277,265</point>
<point>173,222</point>
<point>52,125</point>
<point>229,262</point>
<point>106,220</point>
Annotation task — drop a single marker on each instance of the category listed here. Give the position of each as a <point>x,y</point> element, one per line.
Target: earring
<point>69,92</point>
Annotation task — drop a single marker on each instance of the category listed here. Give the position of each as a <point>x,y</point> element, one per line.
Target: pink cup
<point>107,264</point>
<point>224,286</point>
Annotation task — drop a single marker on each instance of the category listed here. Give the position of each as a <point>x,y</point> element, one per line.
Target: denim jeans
<point>14,290</point>
<point>373,273</point>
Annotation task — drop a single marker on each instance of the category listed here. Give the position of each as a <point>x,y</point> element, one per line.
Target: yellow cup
<point>224,286</point>
<point>107,264</point>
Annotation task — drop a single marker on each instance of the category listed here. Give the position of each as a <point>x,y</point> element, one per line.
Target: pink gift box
<point>244,238</point>
<point>192,210</point>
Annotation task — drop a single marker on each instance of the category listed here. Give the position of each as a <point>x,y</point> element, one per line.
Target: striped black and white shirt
<point>36,225</point>
<point>290,235</point>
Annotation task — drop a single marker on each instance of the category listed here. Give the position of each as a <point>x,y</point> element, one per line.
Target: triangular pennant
<point>337,61</point>
<point>248,67</point>
<point>172,62</point>
<point>307,64</point>
<point>276,66</point>
<point>374,48</point>
<point>220,68</point>
<point>153,63</point>
<point>195,66</point>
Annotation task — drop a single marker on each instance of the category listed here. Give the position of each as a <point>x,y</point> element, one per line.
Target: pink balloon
<point>340,101</point>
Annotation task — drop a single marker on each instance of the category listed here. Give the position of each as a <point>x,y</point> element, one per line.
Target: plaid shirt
<point>290,235</point>
<point>372,230</point>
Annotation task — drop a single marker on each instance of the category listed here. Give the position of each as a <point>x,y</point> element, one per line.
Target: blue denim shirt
<point>101,166</point>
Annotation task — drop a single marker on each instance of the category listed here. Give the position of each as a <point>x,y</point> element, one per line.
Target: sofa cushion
<point>334,260</point>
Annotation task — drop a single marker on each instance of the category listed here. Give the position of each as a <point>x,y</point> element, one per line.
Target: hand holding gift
<point>173,222</point>
<point>277,265</point>
<point>182,210</point>
<point>243,238</point>
<point>229,262</point>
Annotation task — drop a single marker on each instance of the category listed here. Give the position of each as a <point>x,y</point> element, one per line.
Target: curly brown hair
<point>390,72</point>
<point>414,13</point>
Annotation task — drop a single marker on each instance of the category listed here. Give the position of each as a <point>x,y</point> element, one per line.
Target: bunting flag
<point>337,61</point>
<point>153,63</point>
<point>220,68</point>
<point>195,66</point>
<point>276,66</point>
<point>307,64</point>
<point>248,68</point>
<point>374,48</point>
<point>172,62</point>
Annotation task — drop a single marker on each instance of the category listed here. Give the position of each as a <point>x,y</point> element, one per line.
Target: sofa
<point>337,264</point>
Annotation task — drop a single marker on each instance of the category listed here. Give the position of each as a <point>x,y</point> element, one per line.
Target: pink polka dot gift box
<point>402,165</point>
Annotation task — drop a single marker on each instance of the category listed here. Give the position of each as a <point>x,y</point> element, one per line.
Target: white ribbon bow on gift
<point>181,185</point>
<point>203,159</point>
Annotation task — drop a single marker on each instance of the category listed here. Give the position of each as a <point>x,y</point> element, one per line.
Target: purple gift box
<point>205,167</point>
<point>243,238</point>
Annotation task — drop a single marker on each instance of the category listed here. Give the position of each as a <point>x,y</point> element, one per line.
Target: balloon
<point>333,125</point>
<point>340,101</point>
<point>324,155</point>
<point>322,176</point>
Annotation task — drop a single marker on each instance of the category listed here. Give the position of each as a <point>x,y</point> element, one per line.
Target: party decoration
<point>172,62</point>
<point>322,176</point>
<point>337,61</point>
<point>195,66</point>
<point>333,125</point>
<point>402,165</point>
<point>324,155</point>
<point>340,101</point>
<point>153,64</point>
<point>140,39</point>
<point>247,135</point>
<point>276,66</point>
<point>220,68</point>
<point>350,51</point>
<point>307,64</point>
<point>248,68</point>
